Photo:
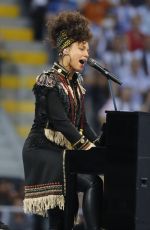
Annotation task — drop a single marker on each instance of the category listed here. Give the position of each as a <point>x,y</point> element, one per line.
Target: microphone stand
<point>110,77</point>
<point>112,93</point>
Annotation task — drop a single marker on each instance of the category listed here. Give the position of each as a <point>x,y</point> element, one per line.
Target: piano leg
<point>70,201</point>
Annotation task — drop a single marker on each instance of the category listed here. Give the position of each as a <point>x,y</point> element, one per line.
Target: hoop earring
<point>69,60</point>
<point>60,54</point>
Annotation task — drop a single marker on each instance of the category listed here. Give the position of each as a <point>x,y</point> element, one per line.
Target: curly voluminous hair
<point>75,24</point>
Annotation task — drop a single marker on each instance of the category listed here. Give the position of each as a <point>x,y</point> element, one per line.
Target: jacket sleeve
<point>61,122</point>
<point>88,131</point>
<point>91,135</point>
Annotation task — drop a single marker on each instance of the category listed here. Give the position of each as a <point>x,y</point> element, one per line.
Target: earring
<point>65,51</point>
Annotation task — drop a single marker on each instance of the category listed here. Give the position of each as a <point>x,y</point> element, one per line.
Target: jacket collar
<point>62,71</point>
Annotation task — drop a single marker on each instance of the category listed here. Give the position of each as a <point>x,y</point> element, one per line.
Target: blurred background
<point>121,43</point>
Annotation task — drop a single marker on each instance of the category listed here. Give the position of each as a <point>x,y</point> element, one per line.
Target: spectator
<point>10,191</point>
<point>96,10</point>
<point>146,56</point>
<point>109,26</point>
<point>6,189</point>
<point>55,7</point>
<point>124,11</point>
<point>38,16</point>
<point>118,55</point>
<point>98,43</point>
<point>144,12</point>
<point>25,7</point>
<point>146,105</point>
<point>134,37</point>
<point>133,75</point>
<point>123,103</point>
<point>136,2</point>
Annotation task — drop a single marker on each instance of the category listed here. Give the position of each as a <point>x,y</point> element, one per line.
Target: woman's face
<point>77,55</point>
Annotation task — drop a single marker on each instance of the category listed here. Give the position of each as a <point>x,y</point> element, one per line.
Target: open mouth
<point>82,61</point>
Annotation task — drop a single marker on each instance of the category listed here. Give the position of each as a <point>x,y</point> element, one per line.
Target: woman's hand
<point>91,145</point>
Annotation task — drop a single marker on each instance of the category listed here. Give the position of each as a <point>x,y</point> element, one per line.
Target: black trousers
<point>92,188</point>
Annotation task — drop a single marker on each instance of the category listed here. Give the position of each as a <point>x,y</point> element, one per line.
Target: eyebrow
<point>83,45</point>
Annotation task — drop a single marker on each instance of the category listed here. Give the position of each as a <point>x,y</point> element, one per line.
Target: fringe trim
<point>64,172</point>
<point>58,138</point>
<point>40,205</point>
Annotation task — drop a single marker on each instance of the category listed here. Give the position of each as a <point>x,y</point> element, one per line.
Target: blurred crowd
<point>11,194</point>
<point>121,43</point>
<point>11,191</point>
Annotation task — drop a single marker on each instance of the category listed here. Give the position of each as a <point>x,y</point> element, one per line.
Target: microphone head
<point>91,61</point>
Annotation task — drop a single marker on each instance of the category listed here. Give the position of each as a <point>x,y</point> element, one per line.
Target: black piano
<point>125,164</point>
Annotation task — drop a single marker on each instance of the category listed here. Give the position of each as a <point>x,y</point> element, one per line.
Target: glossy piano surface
<point>90,161</point>
<point>125,163</point>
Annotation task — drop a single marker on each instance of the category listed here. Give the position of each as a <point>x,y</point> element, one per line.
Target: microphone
<point>93,63</point>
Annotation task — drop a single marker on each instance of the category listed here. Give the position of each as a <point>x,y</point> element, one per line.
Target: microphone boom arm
<point>103,70</point>
<point>93,63</point>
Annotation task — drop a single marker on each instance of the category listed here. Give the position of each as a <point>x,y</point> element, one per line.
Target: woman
<point>60,124</point>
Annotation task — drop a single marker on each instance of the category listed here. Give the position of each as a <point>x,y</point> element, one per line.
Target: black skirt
<point>44,168</point>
